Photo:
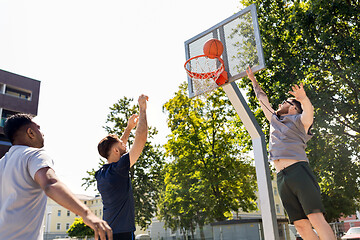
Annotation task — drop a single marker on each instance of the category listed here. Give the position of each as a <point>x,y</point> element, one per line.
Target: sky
<point>88,54</point>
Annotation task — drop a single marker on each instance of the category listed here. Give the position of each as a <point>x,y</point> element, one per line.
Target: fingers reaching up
<point>133,120</point>
<point>142,101</point>
<point>298,92</point>
<point>250,74</point>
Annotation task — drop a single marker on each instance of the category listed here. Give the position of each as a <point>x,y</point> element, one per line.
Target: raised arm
<point>307,116</point>
<point>261,96</point>
<point>58,191</point>
<point>140,133</point>
<point>132,122</point>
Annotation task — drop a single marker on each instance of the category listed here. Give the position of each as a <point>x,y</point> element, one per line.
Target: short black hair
<point>14,123</point>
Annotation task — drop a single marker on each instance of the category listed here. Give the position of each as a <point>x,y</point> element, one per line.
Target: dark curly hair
<point>14,123</point>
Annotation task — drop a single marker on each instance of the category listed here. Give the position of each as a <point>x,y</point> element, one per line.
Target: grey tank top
<point>288,138</point>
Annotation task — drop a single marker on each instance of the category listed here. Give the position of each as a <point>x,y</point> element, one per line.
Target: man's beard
<point>123,153</point>
<point>280,111</point>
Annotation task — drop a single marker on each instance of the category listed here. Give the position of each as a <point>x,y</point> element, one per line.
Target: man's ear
<point>30,133</point>
<point>114,150</point>
<point>296,110</point>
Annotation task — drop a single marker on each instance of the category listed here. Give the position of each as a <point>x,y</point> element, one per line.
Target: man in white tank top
<point>289,132</point>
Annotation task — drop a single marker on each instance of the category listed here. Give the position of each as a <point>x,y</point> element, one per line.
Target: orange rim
<point>215,74</point>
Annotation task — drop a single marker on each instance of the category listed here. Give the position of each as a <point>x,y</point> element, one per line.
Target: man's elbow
<point>50,186</point>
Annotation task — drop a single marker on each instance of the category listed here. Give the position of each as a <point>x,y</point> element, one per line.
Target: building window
<point>58,226</point>
<point>68,213</point>
<point>4,115</point>
<point>275,191</point>
<point>67,226</point>
<point>100,212</point>
<point>59,213</point>
<point>352,224</point>
<point>17,93</point>
<point>277,208</point>
<point>95,212</point>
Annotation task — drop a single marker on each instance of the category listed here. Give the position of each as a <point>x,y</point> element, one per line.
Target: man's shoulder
<point>18,151</point>
<point>124,162</point>
<point>291,117</point>
<point>126,156</point>
<point>296,118</point>
<point>101,169</point>
<point>39,153</point>
<point>122,165</point>
<point>25,149</point>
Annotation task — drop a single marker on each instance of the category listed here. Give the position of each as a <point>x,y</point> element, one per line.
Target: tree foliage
<point>318,42</point>
<point>80,229</point>
<point>146,174</point>
<point>208,177</point>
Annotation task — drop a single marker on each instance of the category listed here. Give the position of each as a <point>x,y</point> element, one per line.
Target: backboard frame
<point>219,33</point>
<point>263,175</point>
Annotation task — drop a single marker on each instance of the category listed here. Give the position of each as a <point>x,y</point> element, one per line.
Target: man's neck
<point>21,143</point>
<point>113,159</point>
<point>287,114</point>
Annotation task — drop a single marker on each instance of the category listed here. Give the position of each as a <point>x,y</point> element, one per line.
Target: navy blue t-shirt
<point>114,185</point>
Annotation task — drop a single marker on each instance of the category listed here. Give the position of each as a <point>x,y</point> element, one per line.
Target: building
<point>58,219</point>
<point>18,94</point>
<point>350,221</point>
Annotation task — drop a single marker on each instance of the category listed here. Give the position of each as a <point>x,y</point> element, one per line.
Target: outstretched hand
<point>133,120</point>
<point>100,227</point>
<point>142,101</point>
<point>250,74</point>
<point>298,92</point>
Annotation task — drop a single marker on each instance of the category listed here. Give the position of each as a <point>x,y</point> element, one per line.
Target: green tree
<point>146,176</point>
<point>80,229</point>
<point>318,42</point>
<point>208,177</point>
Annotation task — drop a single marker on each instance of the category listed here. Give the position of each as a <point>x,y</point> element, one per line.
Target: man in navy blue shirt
<point>113,180</point>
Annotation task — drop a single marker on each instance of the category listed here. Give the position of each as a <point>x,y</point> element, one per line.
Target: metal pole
<point>267,207</point>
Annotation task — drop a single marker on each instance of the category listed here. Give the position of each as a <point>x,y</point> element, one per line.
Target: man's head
<point>21,130</point>
<point>111,148</point>
<point>289,106</point>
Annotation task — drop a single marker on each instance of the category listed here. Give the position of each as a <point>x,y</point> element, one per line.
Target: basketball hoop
<point>206,73</point>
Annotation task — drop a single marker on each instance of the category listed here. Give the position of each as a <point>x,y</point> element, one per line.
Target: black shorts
<point>299,191</point>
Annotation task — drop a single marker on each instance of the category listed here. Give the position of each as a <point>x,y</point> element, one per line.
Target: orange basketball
<point>213,48</point>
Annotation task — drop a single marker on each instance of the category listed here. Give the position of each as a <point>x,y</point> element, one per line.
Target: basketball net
<point>206,74</point>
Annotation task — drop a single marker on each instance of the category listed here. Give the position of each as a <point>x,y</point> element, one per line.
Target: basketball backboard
<point>240,36</point>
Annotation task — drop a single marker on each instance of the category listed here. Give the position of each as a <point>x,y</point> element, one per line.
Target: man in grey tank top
<point>290,129</point>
